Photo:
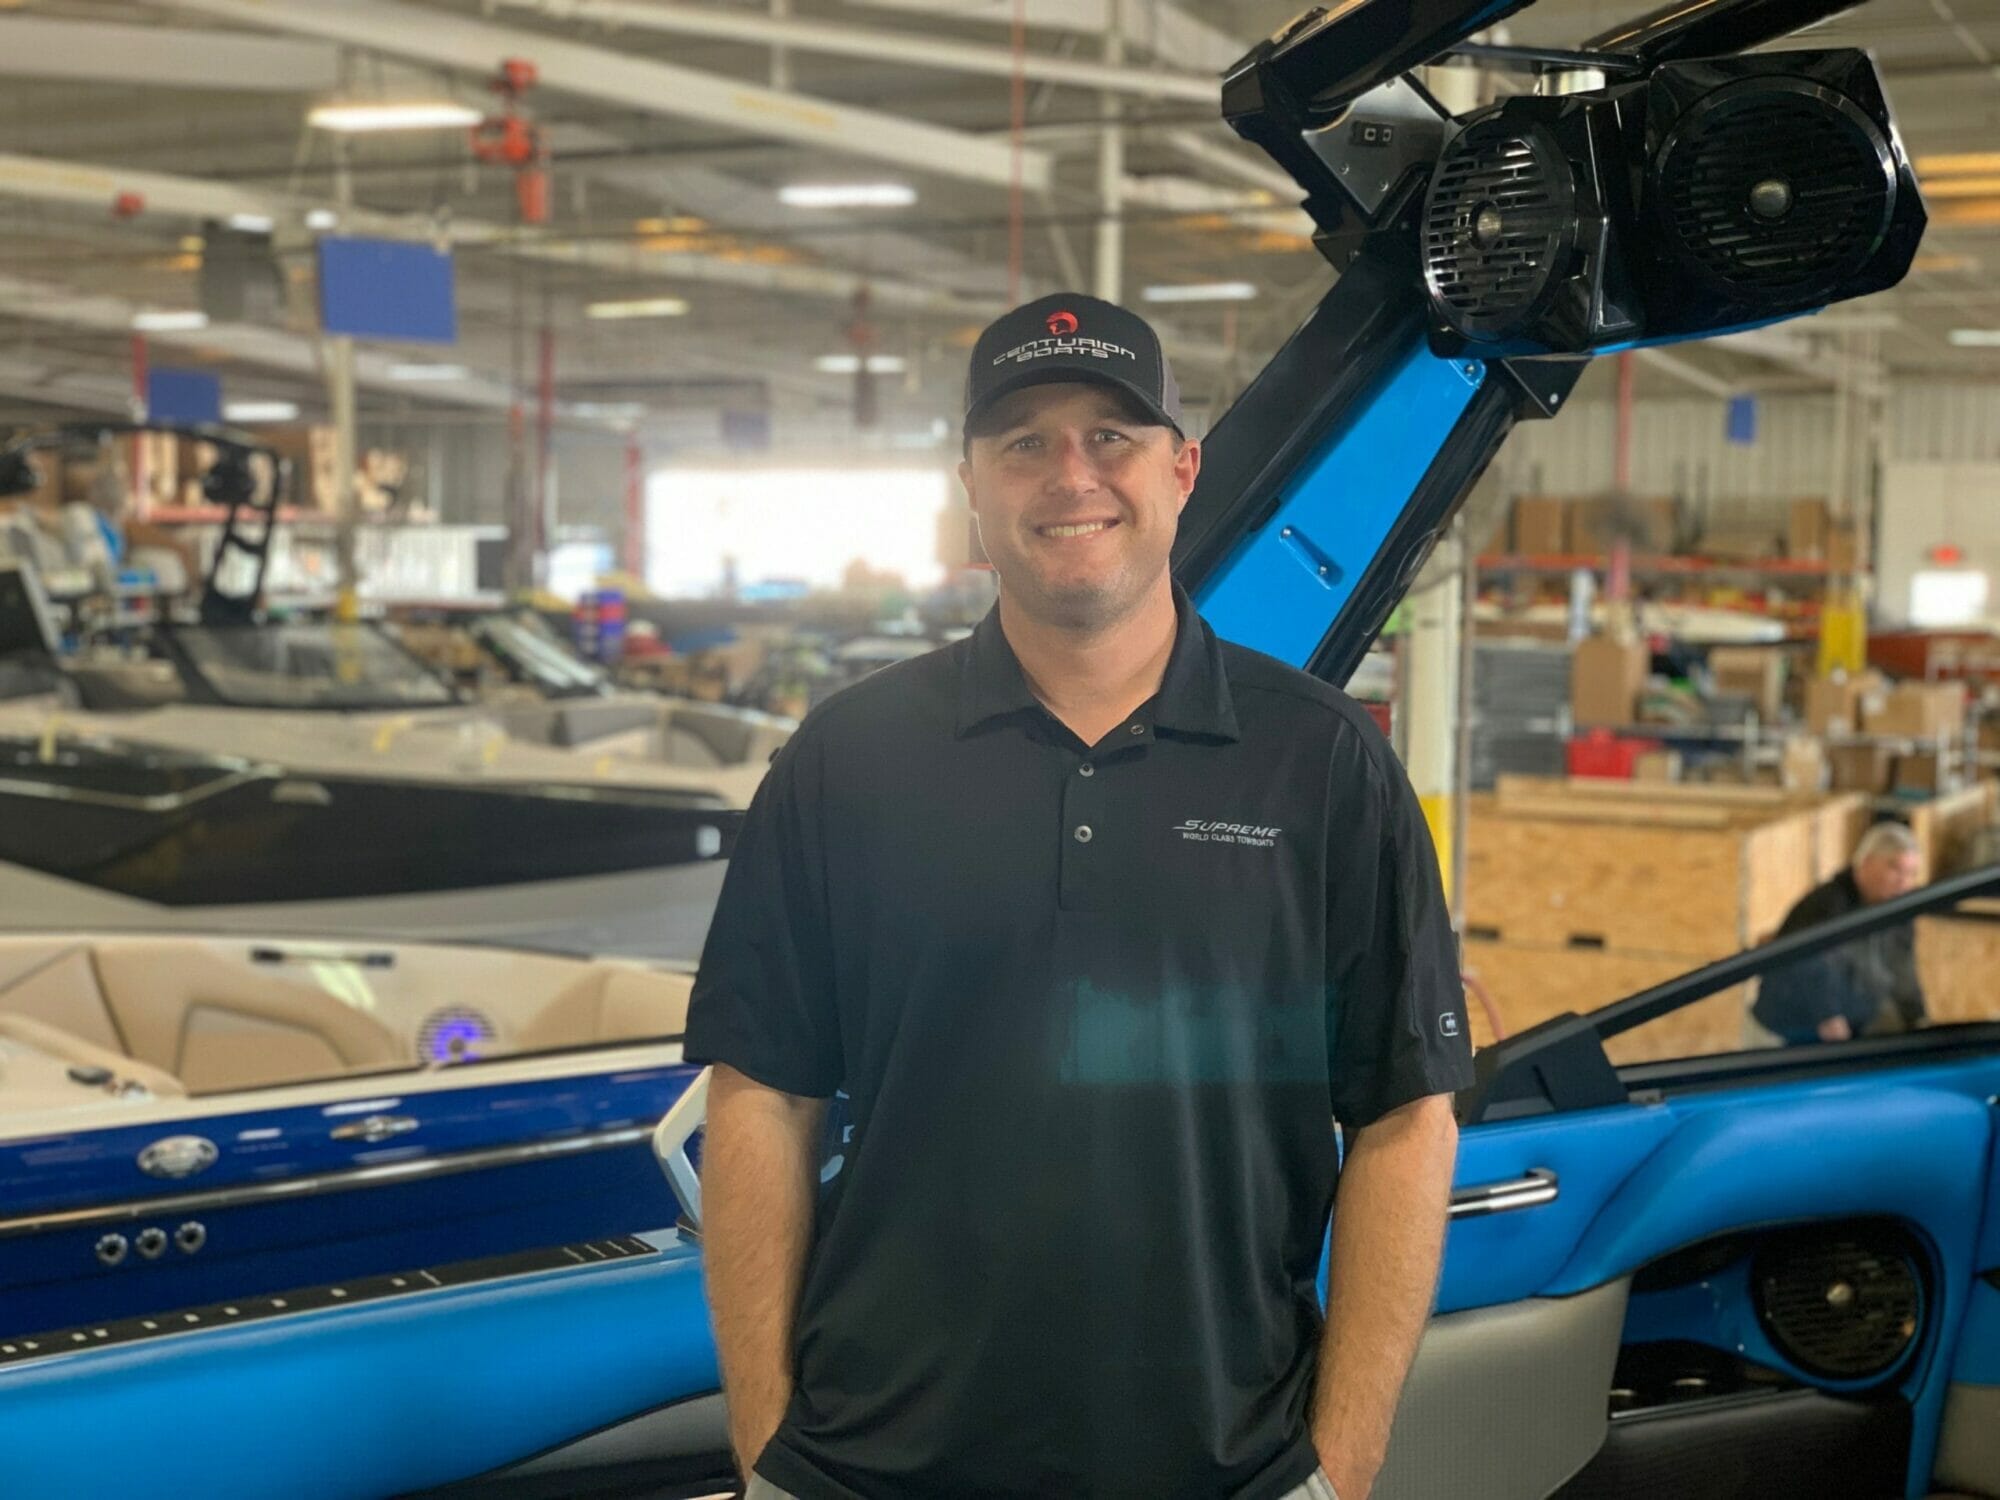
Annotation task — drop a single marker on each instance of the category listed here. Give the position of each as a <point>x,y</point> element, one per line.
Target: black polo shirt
<point>1095,1008</point>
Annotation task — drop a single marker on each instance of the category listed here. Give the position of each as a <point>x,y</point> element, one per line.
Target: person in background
<point>1868,987</point>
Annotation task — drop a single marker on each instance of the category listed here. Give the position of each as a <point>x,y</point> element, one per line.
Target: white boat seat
<point>610,1003</point>
<point>54,1042</point>
<point>217,1027</point>
<point>62,991</point>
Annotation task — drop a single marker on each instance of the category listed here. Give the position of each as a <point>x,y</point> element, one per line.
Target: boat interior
<point>160,1017</point>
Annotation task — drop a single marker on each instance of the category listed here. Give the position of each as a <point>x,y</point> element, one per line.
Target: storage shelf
<point>1662,564</point>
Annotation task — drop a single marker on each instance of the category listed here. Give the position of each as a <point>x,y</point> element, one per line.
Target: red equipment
<point>512,139</point>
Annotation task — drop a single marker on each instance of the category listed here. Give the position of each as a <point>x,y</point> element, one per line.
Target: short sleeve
<point>763,997</point>
<point>1396,1004</point>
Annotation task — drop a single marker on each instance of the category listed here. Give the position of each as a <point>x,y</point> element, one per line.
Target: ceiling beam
<point>639,83</point>
<point>836,40</point>
<point>1165,30</point>
<point>164,57</point>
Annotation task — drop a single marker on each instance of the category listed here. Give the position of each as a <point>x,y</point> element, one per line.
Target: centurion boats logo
<point>1063,339</point>
<point>1201,831</point>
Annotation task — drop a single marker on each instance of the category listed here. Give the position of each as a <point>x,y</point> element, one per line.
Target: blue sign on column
<point>190,396</point>
<point>387,289</point>
<point>1743,419</point>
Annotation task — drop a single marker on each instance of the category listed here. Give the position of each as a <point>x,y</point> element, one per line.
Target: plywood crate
<point>1946,826</point>
<point>1529,985</point>
<point>1958,960</point>
<point>1699,872</point>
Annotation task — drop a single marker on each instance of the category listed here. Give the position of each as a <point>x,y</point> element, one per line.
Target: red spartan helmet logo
<point>1062,324</point>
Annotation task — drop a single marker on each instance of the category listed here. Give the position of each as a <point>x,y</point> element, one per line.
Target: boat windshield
<point>536,655</point>
<point>307,665</point>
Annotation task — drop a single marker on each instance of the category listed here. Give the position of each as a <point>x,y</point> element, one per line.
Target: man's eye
<point>1110,435</point>
<point>1023,443</point>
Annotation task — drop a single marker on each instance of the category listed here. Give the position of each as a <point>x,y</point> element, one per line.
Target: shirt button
<point>1138,728</point>
<point>1083,833</point>
<point>1086,769</point>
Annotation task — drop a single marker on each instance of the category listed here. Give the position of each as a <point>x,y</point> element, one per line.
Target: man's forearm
<point>759,1155</point>
<point>1388,1235</point>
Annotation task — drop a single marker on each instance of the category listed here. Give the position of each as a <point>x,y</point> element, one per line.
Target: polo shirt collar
<point>1193,696</point>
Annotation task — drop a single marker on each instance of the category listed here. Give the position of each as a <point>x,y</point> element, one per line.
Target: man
<point>1868,987</point>
<point>1098,923</point>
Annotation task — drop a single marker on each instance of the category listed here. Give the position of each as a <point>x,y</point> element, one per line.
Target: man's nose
<point>1072,471</point>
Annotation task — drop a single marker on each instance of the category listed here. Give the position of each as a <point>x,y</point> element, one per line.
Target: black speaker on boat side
<point>1707,196</point>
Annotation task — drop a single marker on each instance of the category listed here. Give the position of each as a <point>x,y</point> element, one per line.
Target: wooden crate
<point>1637,869</point>
<point>1529,985</point>
<point>1958,959</point>
<point>1945,826</point>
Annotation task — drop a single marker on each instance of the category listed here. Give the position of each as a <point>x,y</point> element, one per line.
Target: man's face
<point>1077,498</point>
<point>1888,874</point>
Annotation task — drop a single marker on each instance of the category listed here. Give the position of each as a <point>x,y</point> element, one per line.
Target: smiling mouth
<point>1075,529</point>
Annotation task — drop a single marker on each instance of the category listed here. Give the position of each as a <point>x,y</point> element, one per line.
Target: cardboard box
<point>1860,767</point>
<point>1845,550</point>
<point>1838,705</point>
<point>1651,526</point>
<point>1540,525</point>
<point>1605,676</point>
<point>1918,711</point>
<point>1922,772</point>
<point>1751,672</point>
<point>1806,528</point>
<point>1657,765</point>
<point>1752,542</point>
<point>1802,764</point>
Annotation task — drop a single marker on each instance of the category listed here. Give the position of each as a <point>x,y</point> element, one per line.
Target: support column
<point>1111,177</point>
<point>1433,642</point>
<point>337,358</point>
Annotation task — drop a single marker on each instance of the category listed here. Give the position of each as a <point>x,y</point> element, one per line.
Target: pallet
<point>1617,867</point>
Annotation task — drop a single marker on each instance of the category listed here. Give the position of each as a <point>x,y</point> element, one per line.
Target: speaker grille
<point>1841,1306</point>
<point>455,1033</point>
<point>1797,148</point>
<point>1499,222</point>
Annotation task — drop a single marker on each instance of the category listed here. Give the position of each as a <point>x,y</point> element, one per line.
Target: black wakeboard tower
<point>1483,259</point>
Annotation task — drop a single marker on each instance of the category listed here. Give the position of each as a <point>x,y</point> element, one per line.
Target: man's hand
<point>759,1167</point>
<point>1388,1235</point>
<point>1836,1029</point>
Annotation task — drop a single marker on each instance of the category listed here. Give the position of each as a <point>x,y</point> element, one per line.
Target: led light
<point>170,322</point>
<point>321,219</point>
<point>427,372</point>
<point>1202,291</point>
<point>639,307</point>
<point>351,116</point>
<point>848,195</point>
<point>847,364</point>
<point>260,411</point>
<point>251,223</point>
<point>1976,338</point>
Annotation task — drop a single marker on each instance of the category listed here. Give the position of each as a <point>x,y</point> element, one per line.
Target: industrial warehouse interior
<point>1085,632</point>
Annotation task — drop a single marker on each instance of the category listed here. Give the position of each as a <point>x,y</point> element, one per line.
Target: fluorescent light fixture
<point>427,372</point>
<point>639,307</point>
<point>185,321</point>
<point>351,116</point>
<point>1202,291</point>
<point>321,219</point>
<point>1943,598</point>
<point>1960,161</point>
<point>847,364</point>
<point>251,223</point>
<point>1976,338</point>
<point>848,195</point>
<point>260,411</point>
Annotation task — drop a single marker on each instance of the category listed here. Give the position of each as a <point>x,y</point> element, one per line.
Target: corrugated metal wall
<point>1679,446</point>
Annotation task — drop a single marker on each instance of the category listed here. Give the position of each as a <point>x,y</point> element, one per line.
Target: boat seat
<point>62,991</point>
<point>217,1026</point>
<point>53,1041</point>
<point>610,1003</point>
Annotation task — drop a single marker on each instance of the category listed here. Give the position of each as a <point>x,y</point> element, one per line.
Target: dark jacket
<point>1872,981</point>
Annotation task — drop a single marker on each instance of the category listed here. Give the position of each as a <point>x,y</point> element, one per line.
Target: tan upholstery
<point>611,1003</point>
<point>63,993</point>
<point>217,1025</point>
<point>55,1042</point>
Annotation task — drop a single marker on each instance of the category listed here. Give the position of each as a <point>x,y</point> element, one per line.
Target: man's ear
<point>965,478</point>
<point>1187,469</point>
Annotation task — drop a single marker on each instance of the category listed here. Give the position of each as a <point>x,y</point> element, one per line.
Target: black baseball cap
<point>1068,336</point>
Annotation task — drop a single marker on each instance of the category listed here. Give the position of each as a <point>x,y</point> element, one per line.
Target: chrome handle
<point>374,1128</point>
<point>1532,1190</point>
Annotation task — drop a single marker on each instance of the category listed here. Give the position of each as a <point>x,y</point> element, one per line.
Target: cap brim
<point>1070,375</point>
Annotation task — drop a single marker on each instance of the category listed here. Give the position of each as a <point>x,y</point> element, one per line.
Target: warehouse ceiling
<point>132,129</point>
